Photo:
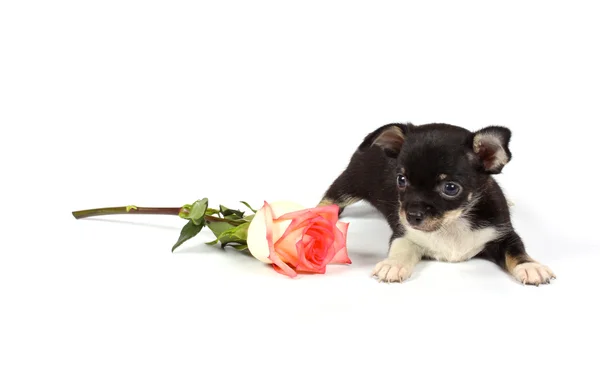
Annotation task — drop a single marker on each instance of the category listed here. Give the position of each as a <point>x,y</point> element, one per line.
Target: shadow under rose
<point>364,258</point>
<point>203,248</point>
<point>128,222</point>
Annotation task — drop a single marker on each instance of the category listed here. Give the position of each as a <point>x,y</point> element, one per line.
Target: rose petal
<point>286,245</point>
<point>341,255</point>
<point>304,265</point>
<point>330,212</point>
<point>321,244</point>
<point>273,256</point>
<point>298,219</point>
<point>311,240</point>
<point>281,271</point>
<point>303,269</point>
<point>293,233</point>
<point>325,236</point>
<point>257,240</point>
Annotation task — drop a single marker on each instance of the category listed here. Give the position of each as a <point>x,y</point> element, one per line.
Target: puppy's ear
<point>388,137</point>
<point>490,146</point>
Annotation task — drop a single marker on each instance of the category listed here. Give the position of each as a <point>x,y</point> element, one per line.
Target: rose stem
<point>129,210</point>
<point>126,210</point>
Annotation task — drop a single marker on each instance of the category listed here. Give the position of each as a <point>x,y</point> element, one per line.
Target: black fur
<point>421,154</point>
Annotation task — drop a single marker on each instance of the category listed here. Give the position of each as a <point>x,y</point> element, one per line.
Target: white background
<point>160,103</point>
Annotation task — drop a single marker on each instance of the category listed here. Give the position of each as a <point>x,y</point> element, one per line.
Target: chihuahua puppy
<point>434,185</point>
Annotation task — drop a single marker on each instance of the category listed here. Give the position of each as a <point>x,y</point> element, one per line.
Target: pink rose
<point>296,239</point>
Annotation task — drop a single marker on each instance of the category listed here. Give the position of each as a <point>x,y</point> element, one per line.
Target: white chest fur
<point>456,242</point>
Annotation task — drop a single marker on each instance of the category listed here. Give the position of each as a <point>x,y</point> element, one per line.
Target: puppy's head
<point>441,169</point>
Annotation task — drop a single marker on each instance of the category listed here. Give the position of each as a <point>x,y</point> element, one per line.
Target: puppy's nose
<point>415,217</point>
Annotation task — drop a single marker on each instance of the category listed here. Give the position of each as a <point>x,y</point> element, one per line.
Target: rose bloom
<point>296,240</point>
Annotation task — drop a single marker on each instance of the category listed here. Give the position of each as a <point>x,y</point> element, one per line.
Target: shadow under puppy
<point>434,184</point>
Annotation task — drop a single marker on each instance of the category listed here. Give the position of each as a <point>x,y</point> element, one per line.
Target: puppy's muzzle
<point>415,217</point>
<point>419,216</point>
<point>417,212</point>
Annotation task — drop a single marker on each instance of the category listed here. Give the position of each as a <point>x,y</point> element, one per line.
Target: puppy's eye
<point>451,189</point>
<point>401,181</point>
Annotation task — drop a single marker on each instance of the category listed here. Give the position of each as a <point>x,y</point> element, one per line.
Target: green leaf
<point>184,212</point>
<point>242,231</point>
<point>194,211</point>
<point>249,218</point>
<point>247,205</point>
<point>188,231</point>
<point>226,238</point>
<point>235,234</point>
<point>211,211</point>
<point>218,227</point>
<point>238,232</point>
<point>238,246</point>
<point>228,211</point>
<point>212,242</point>
<point>198,210</point>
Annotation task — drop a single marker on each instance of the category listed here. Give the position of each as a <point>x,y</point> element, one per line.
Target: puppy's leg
<point>402,258</point>
<point>342,193</point>
<point>509,253</point>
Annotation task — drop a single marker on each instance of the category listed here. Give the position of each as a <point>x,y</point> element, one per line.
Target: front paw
<point>532,273</point>
<point>391,271</point>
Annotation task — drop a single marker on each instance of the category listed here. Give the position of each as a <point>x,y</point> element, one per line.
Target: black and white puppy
<point>434,184</point>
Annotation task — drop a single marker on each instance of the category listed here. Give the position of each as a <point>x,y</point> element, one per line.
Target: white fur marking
<point>533,273</point>
<point>454,242</point>
<point>402,258</point>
